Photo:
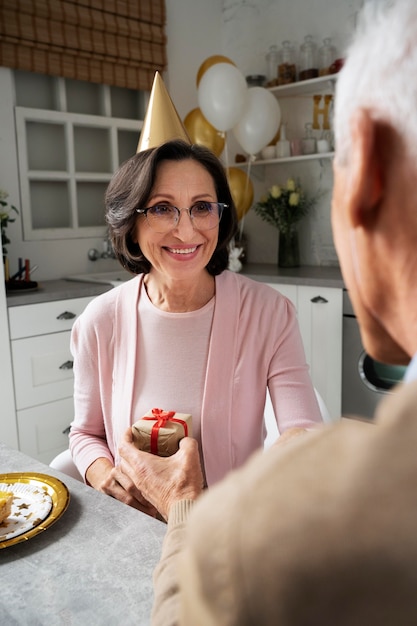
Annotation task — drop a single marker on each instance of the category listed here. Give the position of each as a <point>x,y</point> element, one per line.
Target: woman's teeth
<point>182,250</point>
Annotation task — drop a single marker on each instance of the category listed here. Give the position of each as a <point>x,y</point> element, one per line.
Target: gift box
<point>160,432</point>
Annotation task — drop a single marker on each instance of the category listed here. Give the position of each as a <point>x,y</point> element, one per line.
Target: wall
<point>194,32</point>
<point>196,29</point>
<point>248,28</point>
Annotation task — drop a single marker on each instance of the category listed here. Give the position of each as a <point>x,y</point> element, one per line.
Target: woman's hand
<point>163,480</point>
<point>104,477</point>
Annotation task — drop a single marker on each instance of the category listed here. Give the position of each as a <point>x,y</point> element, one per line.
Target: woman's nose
<point>185,224</point>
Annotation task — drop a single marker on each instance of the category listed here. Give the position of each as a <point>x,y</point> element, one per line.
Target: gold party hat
<point>162,122</point>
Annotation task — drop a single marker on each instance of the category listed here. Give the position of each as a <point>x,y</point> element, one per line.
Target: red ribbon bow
<point>162,417</point>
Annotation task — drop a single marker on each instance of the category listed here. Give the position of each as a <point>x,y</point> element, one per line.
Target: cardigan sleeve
<point>91,341</point>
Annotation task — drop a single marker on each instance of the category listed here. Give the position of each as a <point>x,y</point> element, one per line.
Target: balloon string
<point>226,150</point>
<point>242,221</point>
<point>226,164</point>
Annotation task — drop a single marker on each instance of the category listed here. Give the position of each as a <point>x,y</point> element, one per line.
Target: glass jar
<point>282,146</point>
<point>272,66</point>
<point>308,60</point>
<point>255,80</point>
<point>327,56</point>
<point>308,142</point>
<point>287,71</point>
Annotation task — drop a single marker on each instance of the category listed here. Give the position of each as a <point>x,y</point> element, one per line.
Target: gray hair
<point>380,74</point>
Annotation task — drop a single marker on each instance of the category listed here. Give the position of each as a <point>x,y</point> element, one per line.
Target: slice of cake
<point>6,500</point>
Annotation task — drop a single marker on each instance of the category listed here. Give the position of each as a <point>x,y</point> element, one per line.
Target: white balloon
<point>221,95</point>
<point>259,121</point>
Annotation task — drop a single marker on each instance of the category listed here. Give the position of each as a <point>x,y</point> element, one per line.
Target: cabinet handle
<point>68,365</point>
<point>319,299</point>
<point>66,315</point>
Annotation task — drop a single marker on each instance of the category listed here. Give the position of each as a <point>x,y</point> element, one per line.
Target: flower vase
<point>288,250</point>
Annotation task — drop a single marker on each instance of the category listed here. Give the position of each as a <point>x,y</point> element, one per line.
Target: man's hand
<point>103,476</point>
<point>163,480</point>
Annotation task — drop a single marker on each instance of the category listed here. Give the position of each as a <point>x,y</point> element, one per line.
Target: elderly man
<point>323,530</point>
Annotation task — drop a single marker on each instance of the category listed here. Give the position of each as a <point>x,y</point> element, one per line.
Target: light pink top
<point>175,347</point>
<point>255,342</point>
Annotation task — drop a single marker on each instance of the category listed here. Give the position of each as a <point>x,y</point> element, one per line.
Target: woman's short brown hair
<point>131,186</point>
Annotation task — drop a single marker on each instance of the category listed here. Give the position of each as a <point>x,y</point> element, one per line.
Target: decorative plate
<point>39,500</point>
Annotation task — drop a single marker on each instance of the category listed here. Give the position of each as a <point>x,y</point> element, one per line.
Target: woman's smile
<point>182,251</point>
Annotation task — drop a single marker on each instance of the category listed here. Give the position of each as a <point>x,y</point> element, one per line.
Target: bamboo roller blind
<point>114,42</point>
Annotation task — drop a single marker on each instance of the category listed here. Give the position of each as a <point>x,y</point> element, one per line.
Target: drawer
<point>44,318</point>
<point>41,429</point>
<point>42,369</point>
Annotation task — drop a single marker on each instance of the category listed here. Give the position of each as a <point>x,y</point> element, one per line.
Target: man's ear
<point>365,179</point>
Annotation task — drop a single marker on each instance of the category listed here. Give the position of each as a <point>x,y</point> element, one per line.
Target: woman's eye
<point>202,207</point>
<point>162,209</point>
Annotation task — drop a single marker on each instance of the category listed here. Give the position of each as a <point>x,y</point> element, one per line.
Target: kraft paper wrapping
<point>158,432</point>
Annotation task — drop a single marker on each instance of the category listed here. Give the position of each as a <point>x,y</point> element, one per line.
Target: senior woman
<point>185,334</point>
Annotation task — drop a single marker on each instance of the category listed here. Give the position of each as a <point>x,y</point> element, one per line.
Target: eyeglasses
<point>164,217</point>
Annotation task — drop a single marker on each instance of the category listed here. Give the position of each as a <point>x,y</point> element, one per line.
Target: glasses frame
<point>221,206</point>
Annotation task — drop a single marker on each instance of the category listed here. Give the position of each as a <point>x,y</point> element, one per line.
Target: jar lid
<point>256,80</point>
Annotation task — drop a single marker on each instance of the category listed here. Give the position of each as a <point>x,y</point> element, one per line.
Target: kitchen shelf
<point>305,87</point>
<point>291,159</point>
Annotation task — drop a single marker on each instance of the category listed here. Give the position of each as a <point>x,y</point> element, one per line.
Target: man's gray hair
<point>380,73</point>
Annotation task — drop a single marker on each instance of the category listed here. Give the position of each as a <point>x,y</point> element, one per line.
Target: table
<point>93,566</point>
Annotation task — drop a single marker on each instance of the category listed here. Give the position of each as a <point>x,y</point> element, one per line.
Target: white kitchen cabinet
<point>43,369</point>
<point>42,372</point>
<point>319,311</point>
<point>66,161</point>
<point>71,136</point>
<point>43,429</point>
<point>320,317</point>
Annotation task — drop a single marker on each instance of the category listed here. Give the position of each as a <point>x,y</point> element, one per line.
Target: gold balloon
<point>203,133</point>
<point>241,188</point>
<point>216,58</point>
<point>276,138</point>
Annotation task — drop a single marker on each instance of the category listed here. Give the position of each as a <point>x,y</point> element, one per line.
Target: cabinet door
<point>42,368</point>
<point>41,429</point>
<point>320,318</point>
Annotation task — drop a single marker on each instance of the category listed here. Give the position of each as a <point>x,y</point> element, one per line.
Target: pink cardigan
<point>255,342</point>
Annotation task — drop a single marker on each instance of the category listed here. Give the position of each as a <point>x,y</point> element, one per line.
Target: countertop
<point>307,275</point>
<point>50,290</point>
<point>94,565</point>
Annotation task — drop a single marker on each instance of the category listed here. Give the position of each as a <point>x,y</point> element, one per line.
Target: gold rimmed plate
<point>38,501</point>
